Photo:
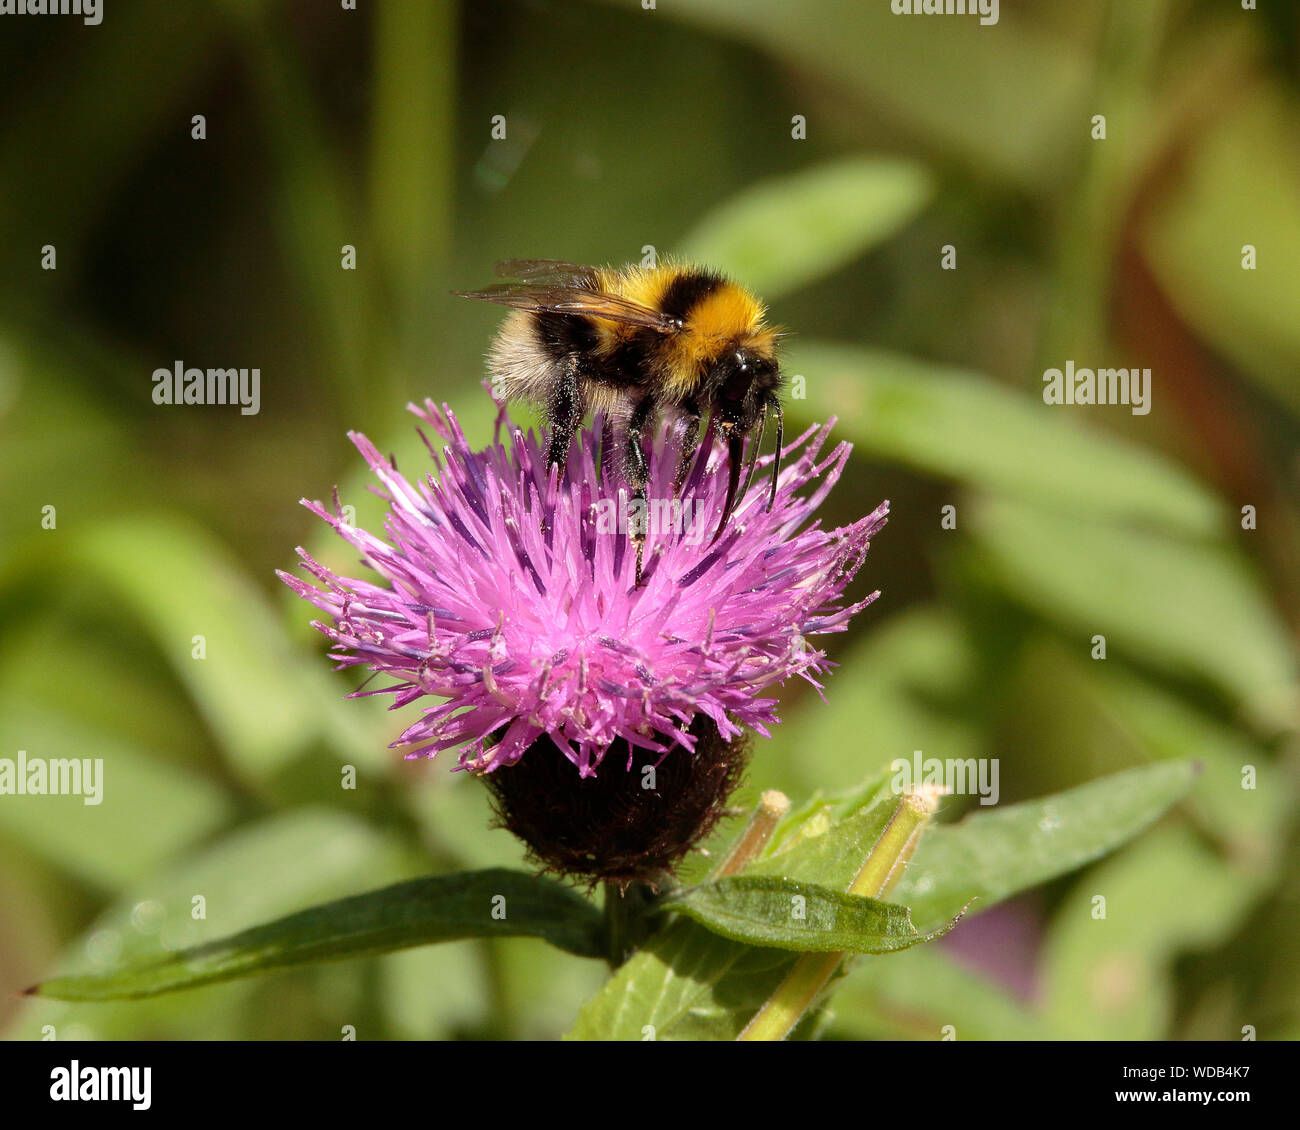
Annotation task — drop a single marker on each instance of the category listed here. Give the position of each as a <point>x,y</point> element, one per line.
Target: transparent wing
<point>571,297</point>
<point>545,270</point>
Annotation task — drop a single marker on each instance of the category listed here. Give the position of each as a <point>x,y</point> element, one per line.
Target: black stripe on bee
<point>563,335</point>
<point>630,363</point>
<point>686,290</point>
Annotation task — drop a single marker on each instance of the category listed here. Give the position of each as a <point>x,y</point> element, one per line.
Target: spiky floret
<point>507,591</point>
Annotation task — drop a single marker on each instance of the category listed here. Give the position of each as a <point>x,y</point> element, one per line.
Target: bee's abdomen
<point>562,335</point>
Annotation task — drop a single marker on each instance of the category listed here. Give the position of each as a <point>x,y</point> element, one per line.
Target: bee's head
<point>743,388</point>
<point>742,381</point>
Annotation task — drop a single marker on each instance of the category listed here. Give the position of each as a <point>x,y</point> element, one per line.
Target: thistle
<point>609,718</point>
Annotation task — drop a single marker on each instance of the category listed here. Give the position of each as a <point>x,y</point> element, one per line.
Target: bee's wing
<point>545,270</point>
<point>569,297</point>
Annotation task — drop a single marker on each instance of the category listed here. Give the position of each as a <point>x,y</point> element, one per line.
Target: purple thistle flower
<point>508,591</point>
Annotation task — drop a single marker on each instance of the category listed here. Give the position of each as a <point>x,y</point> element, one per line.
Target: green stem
<point>625,920</point>
<point>879,872</point>
<point>772,806</point>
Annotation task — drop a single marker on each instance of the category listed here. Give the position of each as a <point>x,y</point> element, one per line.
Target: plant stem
<point>772,806</point>
<point>625,920</point>
<point>879,872</point>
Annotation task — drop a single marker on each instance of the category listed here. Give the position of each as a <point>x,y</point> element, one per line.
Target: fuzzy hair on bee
<point>634,343</point>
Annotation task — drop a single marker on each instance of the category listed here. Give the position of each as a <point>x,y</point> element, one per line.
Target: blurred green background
<point>672,129</point>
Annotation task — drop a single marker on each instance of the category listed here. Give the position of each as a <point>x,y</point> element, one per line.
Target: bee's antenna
<point>735,443</point>
<point>776,458</point>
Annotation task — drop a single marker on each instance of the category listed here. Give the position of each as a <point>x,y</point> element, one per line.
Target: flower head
<point>508,591</point>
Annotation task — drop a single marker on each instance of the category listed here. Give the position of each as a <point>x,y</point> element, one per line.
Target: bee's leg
<point>606,466</point>
<point>564,413</point>
<point>735,448</point>
<point>759,432</point>
<point>690,445</point>
<point>776,459</point>
<point>637,472</point>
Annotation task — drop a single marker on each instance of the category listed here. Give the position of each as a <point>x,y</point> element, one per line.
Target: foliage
<point>223,773</point>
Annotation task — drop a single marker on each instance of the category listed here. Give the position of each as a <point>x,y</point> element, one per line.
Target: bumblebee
<point>635,342</point>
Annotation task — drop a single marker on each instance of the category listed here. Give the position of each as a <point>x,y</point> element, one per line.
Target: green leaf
<point>944,82</point>
<point>1184,606</point>
<point>1249,822</point>
<point>282,863</point>
<point>264,701</point>
<point>956,424</point>
<point>147,809</point>
<point>811,846</point>
<point>803,917</point>
<point>688,983</point>
<point>1110,978</point>
<point>1100,717</point>
<point>786,232</point>
<point>438,908</point>
<point>992,855</point>
<point>41,420</point>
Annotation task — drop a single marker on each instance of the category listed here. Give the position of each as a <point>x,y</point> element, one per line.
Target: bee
<point>635,342</point>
